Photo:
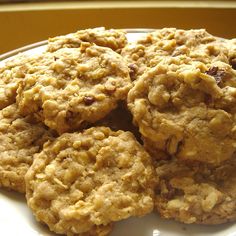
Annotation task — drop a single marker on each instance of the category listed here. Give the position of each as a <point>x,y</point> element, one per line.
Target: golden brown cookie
<point>197,44</point>
<point>74,86</point>
<point>11,73</point>
<point>187,109</point>
<point>196,193</point>
<point>20,139</point>
<point>90,179</point>
<point>114,39</point>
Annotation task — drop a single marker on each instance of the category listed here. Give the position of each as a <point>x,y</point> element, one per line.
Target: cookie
<point>90,179</point>
<point>197,44</point>
<point>74,86</point>
<point>187,108</point>
<point>114,39</point>
<point>196,193</point>
<point>11,73</point>
<point>20,139</point>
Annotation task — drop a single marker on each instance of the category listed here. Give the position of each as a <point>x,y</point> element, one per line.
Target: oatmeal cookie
<point>74,86</point>
<point>197,44</point>
<point>114,39</point>
<point>20,139</point>
<point>90,179</point>
<point>196,192</point>
<point>11,73</point>
<point>187,109</point>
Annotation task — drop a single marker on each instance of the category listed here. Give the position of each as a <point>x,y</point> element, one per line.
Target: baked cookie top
<point>114,39</point>
<point>11,73</point>
<point>187,108</point>
<point>88,179</point>
<point>196,193</point>
<point>20,139</point>
<point>197,44</point>
<point>73,86</point>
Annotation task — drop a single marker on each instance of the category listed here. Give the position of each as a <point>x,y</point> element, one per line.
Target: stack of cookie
<point>78,174</point>
<point>184,103</point>
<point>68,142</point>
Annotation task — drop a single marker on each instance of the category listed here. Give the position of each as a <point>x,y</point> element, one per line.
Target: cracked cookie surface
<point>12,72</point>
<point>74,86</point>
<point>195,192</point>
<point>114,39</point>
<point>90,179</point>
<point>197,44</point>
<point>187,109</point>
<point>20,139</point>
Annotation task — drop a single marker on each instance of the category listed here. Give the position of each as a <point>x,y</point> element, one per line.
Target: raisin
<point>212,71</point>
<point>233,63</point>
<point>88,100</point>
<point>217,73</point>
<point>110,91</point>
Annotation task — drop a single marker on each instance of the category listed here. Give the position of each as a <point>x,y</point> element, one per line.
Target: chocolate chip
<point>233,63</point>
<point>217,73</point>
<point>55,58</point>
<point>88,100</point>
<point>133,70</point>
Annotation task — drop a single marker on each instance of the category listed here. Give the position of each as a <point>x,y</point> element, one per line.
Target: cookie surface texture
<point>12,72</point>
<point>187,108</point>
<point>74,86</point>
<point>197,44</point>
<point>114,39</point>
<point>83,180</point>
<point>196,193</point>
<point>20,139</point>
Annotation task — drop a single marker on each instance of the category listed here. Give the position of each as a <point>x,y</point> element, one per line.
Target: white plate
<point>16,218</point>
